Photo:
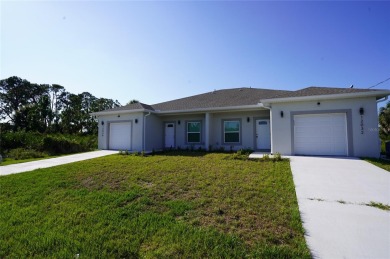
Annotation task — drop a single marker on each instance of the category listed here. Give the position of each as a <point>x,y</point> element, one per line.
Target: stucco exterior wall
<point>154,133</point>
<point>248,137</point>
<point>364,129</point>
<point>216,129</point>
<point>136,132</point>
<point>180,129</point>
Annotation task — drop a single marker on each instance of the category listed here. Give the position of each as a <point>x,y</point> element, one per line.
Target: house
<point>310,121</point>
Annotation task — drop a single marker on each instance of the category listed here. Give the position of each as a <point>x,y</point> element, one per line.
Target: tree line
<point>48,108</point>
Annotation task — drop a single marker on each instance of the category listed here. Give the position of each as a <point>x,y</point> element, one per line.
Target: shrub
<point>21,139</point>
<point>60,144</point>
<point>21,153</point>
<point>266,157</point>
<point>277,156</point>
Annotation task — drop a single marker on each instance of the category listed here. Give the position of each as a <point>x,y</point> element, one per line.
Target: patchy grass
<point>378,205</point>
<point>384,164</point>
<point>191,206</point>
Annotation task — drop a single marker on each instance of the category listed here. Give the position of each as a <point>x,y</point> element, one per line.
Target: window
<point>193,132</point>
<point>231,131</point>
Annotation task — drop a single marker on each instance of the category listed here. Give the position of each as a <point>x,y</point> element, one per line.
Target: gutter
<point>382,100</point>
<point>119,112</point>
<point>228,108</point>
<point>379,93</point>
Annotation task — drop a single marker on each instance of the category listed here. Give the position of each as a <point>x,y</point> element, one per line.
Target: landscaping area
<point>173,204</point>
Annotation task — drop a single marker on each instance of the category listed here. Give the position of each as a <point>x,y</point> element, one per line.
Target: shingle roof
<point>235,97</point>
<point>314,90</point>
<point>220,98</point>
<point>133,106</point>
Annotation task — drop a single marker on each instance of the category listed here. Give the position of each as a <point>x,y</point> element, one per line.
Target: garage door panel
<point>320,134</point>
<point>120,136</point>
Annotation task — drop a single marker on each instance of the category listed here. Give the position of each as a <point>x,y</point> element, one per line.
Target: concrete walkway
<point>29,166</point>
<point>332,193</point>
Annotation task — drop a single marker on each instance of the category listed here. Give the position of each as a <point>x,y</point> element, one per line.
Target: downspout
<point>144,124</point>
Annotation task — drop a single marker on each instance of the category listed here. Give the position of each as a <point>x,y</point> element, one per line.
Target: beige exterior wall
<point>364,143</point>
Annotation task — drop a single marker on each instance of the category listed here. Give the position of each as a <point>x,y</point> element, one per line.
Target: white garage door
<point>120,136</point>
<point>320,134</point>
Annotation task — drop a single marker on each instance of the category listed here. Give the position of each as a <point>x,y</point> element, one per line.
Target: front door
<point>263,134</point>
<point>169,135</point>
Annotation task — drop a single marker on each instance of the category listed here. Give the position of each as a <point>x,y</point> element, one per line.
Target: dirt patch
<point>103,180</point>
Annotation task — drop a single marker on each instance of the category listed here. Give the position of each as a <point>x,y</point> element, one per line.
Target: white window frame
<point>200,132</point>
<point>239,131</point>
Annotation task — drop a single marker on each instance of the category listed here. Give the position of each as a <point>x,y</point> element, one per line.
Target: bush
<point>277,156</point>
<point>21,153</point>
<point>21,139</point>
<point>64,145</point>
<point>52,143</point>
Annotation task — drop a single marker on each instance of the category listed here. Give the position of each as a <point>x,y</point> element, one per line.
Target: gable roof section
<point>132,107</point>
<point>241,97</point>
<point>219,99</point>
<point>320,93</point>
<point>314,90</point>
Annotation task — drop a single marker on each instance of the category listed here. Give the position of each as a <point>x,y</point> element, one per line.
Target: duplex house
<point>311,121</point>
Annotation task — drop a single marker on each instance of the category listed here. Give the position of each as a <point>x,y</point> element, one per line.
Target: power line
<point>379,83</point>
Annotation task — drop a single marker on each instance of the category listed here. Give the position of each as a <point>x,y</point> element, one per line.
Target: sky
<point>156,51</point>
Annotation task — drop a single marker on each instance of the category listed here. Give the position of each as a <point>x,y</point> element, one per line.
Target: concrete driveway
<point>29,166</point>
<point>332,193</point>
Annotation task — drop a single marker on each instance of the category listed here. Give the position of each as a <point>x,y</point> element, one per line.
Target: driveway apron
<point>29,166</point>
<point>333,194</point>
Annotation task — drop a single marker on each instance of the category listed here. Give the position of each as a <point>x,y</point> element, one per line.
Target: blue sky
<point>157,51</point>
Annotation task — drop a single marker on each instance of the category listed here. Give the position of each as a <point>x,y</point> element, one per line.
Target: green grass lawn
<point>385,164</point>
<point>194,205</point>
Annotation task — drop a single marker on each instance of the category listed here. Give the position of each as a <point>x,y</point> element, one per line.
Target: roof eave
<point>216,109</point>
<point>120,112</point>
<point>377,94</point>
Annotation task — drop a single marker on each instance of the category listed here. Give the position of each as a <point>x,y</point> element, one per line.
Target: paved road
<point>29,166</point>
<point>331,195</point>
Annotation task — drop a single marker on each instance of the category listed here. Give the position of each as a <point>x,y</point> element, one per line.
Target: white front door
<point>169,135</point>
<point>263,134</point>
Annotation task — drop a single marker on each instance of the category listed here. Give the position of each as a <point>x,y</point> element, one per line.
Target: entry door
<point>169,135</point>
<point>263,134</point>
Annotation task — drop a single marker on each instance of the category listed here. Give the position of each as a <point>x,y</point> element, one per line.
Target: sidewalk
<point>29,166</point>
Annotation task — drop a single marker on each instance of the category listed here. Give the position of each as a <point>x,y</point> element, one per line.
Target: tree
<point>132,101</point>
<point>13,98</point>
<point>49,108</point>
<point>384,122</point>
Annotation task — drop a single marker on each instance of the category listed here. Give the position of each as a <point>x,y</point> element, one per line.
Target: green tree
<point>49,108</point>
<point>132,101</point>
<point>384,122</point>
